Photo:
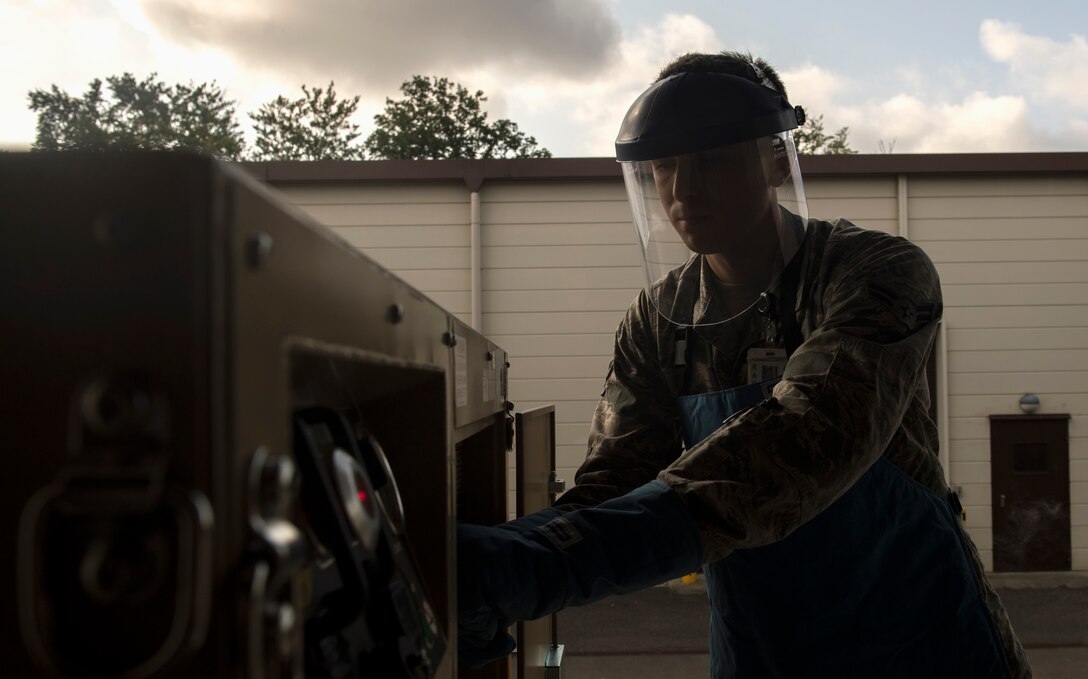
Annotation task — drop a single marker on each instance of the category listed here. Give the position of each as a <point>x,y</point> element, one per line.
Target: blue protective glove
<point>538,564</point>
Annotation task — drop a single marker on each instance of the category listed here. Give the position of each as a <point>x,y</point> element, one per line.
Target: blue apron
<point>878,585</point>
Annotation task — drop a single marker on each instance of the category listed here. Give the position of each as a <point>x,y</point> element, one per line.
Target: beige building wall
<point>419,231</point>
<point>1012,252</point>
<point>559,266</point>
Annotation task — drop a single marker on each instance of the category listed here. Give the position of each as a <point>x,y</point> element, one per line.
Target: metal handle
<point>1002,499</point>
<point>193,516</point>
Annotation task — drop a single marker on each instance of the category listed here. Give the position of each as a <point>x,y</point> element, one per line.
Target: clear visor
<point>718,226</point>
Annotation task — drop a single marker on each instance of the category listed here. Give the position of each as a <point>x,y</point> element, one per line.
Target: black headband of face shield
<point>690,112</point>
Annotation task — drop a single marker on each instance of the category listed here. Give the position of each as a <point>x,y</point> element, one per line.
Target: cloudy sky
<point>924,76</point>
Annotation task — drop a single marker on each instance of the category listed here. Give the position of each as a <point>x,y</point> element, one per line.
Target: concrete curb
<point>1041,580</point>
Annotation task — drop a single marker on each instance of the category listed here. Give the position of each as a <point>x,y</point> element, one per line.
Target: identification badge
<point>765,364</point>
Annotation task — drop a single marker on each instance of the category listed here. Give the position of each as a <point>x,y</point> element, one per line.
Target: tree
<point>438,118</point>
<point>811,138</point>
<point>316,126</point>
<point>144,114</point>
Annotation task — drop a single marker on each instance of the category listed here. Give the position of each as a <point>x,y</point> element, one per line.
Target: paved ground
<point>661,633</point>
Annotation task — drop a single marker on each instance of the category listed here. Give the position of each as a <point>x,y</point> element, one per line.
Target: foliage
<point>810,138</point>
<point>316,126</point>
<point>145,114</point>
<point>438,118</point>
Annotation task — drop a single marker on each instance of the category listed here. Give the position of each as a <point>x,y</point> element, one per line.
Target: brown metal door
<point>1030,487</point>
<point>537,656</point>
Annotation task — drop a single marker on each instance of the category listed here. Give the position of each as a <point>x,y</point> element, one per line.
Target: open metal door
<point>539,654</point>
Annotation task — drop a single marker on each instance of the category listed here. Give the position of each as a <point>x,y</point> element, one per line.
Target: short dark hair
<point>734,63</point>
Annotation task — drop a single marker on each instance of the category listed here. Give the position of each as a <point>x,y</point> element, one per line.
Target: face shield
<point>715,191</point>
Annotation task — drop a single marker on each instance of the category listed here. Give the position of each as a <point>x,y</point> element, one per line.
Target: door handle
<point>1002,499</point>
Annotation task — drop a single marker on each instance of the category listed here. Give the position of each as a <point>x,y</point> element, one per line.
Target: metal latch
<point>553,662</point>
<point>556,485</point>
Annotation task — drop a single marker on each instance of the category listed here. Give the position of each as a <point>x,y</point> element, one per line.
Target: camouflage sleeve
<point>635,431</point>
<point>775,466</point>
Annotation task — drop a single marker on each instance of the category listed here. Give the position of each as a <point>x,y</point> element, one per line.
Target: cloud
<point>47,43</point>
<point>917,120</point>
<point>375,45</point>
<point>637,60</point>
<point>1047,69</point>
<point>924,117</point>
<point>813,88</point>
<point>551,106</point>
<point>978,123</point>
<point>562,69</point>
<point>597,105</point>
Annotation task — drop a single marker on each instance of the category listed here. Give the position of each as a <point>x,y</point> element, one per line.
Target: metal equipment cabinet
<point>166,318</point>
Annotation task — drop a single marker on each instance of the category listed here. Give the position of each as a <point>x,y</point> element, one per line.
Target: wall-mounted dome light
<point>1029,403</point>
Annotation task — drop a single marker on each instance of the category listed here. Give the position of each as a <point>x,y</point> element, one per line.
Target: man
<point>765,416</point>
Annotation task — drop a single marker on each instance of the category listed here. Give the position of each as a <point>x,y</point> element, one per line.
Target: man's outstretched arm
<point>536,565</point>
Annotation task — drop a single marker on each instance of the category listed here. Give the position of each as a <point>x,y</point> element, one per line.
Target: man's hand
<point>538,564</point>
<point>481,635</point>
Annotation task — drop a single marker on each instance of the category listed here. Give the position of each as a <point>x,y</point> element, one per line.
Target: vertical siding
<point>560,266</point>
<point>417,231</point>
<point>869,202</point>
<point>1013,257</point>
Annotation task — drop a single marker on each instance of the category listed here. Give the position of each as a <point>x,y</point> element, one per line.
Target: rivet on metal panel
<point>259,250</point>
<point>395,313</point>
<point>449,339</point>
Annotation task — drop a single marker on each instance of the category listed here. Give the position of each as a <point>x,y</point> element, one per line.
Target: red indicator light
<point>362,496</point>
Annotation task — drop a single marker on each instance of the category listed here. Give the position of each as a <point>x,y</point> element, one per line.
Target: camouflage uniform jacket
<point>867,305</point>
